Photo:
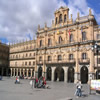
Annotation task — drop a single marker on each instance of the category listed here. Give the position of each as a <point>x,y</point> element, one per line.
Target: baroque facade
<point>4,59</point>
<point>62,52</point>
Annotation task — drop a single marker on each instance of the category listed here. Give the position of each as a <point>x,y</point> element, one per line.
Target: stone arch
<point>84,74</point>
<point>39,72</point>
<point>49,73</point>
<point>71,74</point>
<point>59,74</point>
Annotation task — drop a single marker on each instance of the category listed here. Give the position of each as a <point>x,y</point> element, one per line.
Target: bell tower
<point>61,15</point>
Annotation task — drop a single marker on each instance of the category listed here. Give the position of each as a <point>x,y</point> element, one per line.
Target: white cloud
<point>21,17</point>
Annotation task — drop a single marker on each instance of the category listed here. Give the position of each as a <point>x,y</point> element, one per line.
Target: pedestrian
<point>78,91</point>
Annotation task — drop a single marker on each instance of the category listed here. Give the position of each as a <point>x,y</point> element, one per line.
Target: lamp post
<point>96,48</point>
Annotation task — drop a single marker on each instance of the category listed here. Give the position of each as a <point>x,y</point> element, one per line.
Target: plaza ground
<point>57,91</point>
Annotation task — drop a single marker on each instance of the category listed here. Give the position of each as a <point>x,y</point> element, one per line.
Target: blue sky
<point>19,18</point>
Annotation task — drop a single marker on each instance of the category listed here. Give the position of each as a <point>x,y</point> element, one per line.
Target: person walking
<point>78,91</point>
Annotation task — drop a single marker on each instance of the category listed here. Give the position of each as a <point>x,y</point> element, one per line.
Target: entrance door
<point>98,74</point>
<point>39,72</point>
<point>59,74</point>
<point>70,74</point>
<point>84,74</point>
<point>49,73</point>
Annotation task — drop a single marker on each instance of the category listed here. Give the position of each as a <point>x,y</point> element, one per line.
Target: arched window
<point>70,56</point>
<point>59,57</point>
<point>65,18</point>
<point>49,58</point>
<point>40,58</point>
<point>84,55</point>
<point>60,18</point>
<point>56,20</point>
<point>83,36</point>
<point>40,43</point>
<point>60,39</point>
<point>49,42</point>
<point>71,38</point>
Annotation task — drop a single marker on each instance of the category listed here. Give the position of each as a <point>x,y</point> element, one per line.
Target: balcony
<point>22,58</point>
<point>39,62</point>
<point>84,61</point>
<point>63,61</point>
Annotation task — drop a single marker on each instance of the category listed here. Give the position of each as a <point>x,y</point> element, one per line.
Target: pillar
<point>76,76</point>
<point>65,74</point>
<point>11,72</point>
<point>20,71</point>
<point>17,72</point>
<point>24,72</point>
<point>27,72</point>
<point>14,72</point>
<point>53,69</point>
<point>31,72</point>
<point>91,67</point>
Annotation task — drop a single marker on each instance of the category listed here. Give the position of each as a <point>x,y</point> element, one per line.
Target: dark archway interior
<point>49,73</point>
<point>84,75</point>
<point>39,72</point>
<point>59,74</point>
<point>71,75</point>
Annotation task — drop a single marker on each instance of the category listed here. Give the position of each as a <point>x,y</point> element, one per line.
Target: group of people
<point>40,83</point>
<point>78,91</point>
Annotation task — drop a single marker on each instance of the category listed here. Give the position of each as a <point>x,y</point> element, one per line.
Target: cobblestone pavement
<point>57,91</point>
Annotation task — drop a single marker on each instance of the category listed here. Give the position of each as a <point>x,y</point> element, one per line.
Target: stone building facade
<point>22,58</point>
<point>62,52</point>
<point>4,59</point>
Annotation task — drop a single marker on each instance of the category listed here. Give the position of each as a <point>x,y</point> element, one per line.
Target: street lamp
<point>96,48</point>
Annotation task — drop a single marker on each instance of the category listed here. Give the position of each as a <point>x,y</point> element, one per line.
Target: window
<point>65,18</point>
<point>16,56</point>
<point>40,58</point>
<point>60,18</point>
<point>49,42</point>
<point>60,39</point>
<point>15,63</point>
<point>30,54</point>
<point>25,63</point>
<point>83,36</point>
<point>33,63</point>
<point>71,38</point>
<point>29,63</point>
<point>26,55</point>
<point>70,56</point>
<point>13,56</point>
<point>49,58</point>
<point>59,57</point>
<point>98,36</point>
<point>33,54</point>
<point>40,43</point>
<point>56,20</point>
<point>83,55</point>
